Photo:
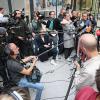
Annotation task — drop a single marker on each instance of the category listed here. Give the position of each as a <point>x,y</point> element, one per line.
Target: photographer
<point>2,57</point>
<point>87,49</point>
<point>18,72</point>
<point>22,32</point>
<point>35,23</point>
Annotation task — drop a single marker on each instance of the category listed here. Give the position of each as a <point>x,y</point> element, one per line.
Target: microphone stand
<point>70,84</point>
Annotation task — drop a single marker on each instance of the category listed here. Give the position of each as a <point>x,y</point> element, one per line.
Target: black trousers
<point>61,46</point>
<point>48,54</point>
<point>67,52</point>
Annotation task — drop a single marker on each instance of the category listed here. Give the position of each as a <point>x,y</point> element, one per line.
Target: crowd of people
<point>40,40</point>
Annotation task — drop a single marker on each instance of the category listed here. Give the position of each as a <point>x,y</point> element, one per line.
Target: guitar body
<point>88,29</point>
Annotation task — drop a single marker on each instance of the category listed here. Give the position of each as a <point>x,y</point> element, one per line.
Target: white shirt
<point>86,75</point>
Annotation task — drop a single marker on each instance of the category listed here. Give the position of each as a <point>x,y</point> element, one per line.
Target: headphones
<point>7,50</point>
<point>15,95</point>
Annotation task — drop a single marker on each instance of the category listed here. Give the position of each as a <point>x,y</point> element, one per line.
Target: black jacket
<point>41,43</point>
<point>56,24</point>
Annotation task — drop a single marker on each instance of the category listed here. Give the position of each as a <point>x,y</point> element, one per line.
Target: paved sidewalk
<point>56,80</point>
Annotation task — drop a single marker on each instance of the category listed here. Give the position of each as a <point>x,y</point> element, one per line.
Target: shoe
<point>69,59</point>
<point>59,56</point>
<point>53,62</point>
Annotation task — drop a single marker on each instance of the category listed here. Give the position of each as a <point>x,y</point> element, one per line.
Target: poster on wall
<point>39,4</point>
<point>53,3</point>
<point>45,4</point>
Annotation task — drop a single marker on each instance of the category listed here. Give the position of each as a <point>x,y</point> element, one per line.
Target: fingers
<point>76,64</point>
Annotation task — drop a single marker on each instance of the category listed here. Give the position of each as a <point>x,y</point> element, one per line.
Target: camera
<point>7,23</point>
<point>3,21</point>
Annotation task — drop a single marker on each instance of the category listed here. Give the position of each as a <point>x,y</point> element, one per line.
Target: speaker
<point>7,50</point>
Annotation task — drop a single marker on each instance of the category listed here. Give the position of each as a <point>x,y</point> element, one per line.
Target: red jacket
<point>86,93</point>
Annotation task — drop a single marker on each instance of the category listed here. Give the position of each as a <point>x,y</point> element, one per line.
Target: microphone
<point>78,59</point>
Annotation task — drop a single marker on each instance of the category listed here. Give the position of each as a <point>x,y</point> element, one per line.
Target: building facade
<point>47,5</point>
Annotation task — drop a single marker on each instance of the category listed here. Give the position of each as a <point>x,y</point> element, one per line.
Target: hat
<point>2,31</point>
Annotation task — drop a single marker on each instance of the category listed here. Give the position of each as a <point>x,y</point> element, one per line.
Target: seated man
<point>44,43</point>
<point>18,72</point>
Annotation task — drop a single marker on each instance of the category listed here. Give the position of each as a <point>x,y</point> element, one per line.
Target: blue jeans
<point>39,86</point>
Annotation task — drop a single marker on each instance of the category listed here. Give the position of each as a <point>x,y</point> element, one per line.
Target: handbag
<point>35,76</point>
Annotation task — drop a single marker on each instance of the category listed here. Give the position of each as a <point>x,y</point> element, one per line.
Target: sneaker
<point>69,59</point>
<point>53,62</point>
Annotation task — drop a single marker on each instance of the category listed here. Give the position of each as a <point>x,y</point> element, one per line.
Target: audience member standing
<point>69,31</point>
